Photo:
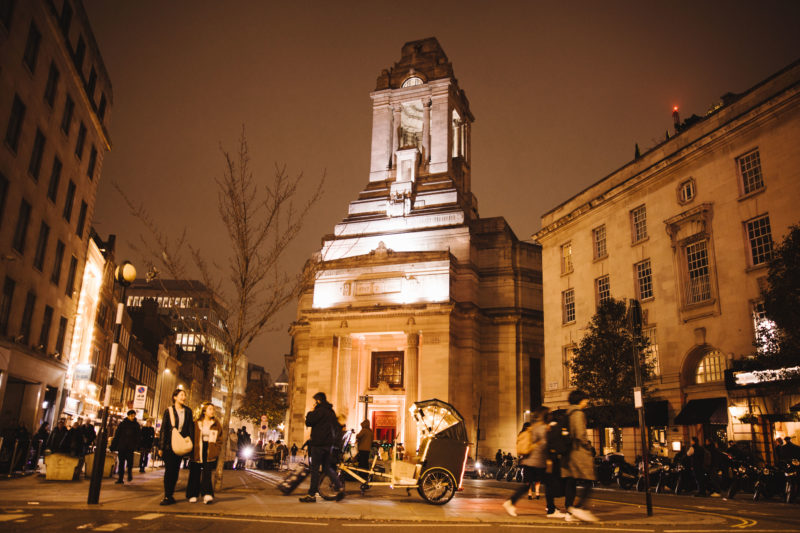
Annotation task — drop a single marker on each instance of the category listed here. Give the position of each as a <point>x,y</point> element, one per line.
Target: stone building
<point>55,102</point>
<point>688,229</point>
<point>416,295</point>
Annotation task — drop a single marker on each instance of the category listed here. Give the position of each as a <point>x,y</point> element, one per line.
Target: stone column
<point>395,134</point>
<point>343,375</point>
<point>411,381</point>
<point>426,133</point>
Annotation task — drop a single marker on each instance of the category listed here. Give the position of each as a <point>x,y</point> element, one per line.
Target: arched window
<point>711,368</point>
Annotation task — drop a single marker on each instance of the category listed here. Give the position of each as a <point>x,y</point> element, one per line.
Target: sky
<point>561,92</point>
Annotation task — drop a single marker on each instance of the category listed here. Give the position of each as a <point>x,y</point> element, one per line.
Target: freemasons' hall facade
<point>416,296</point>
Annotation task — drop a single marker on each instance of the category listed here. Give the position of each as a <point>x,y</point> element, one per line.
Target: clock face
<point>412,81</point>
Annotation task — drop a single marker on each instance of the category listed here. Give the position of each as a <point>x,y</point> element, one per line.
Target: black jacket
<point>126,438</point>
<point>148,436</point>
<point>323,424</point>
<point>58,442</point>
<point>166,427</point>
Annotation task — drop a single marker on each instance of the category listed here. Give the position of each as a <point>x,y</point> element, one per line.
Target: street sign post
<point>140,397</point>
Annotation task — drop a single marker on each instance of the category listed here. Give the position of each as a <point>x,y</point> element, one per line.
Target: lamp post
<point>124,274</point>
<point>635,326</point>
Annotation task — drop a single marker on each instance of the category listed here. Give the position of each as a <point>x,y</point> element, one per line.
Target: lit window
<point>711,368</point>
<point>651,352</point>
<point>566,258</point>
<point>750,172</point>
<point>759,235</point>
<point>699,287</point>
<point>568,306</point>
<point>639,224</point>
<point>686,191</point>
<point>602,289</point>
<point>644,280</point>
<point>599,240</point>
<point>387,367</point>
<point>762,326</point>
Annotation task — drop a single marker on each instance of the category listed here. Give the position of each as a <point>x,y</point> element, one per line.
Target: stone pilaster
<point>411,385</point>
<point>395,133</point>
<point>426,133</point>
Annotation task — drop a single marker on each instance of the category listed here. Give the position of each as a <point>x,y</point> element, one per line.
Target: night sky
<point>560,91</point>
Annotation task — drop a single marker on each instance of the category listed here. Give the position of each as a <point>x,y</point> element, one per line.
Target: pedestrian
<point>126,440</point>
<point>177,416</point>
<point>233,447</point>
<point>148,436</point>
<point>789,451</point>
<point>364,445</point>
<point>498,457</point>
<point>89,436</point>
<point>243,446</point>
<point>579,465</point>
<point>294,452</point>
<point>324,429</point>
<point>532,447</point>
<point>697,455</point>
<point>57,442</point>
<point>208,442</point>
<point>40,439</point>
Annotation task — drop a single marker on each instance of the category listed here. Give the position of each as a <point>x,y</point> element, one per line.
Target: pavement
<point>252,494</point>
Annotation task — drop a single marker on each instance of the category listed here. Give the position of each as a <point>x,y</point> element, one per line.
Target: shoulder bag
<point>180,445</point>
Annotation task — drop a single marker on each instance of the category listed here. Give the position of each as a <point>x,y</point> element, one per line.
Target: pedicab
<point>438,470</point>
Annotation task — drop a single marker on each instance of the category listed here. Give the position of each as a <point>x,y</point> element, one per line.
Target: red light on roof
<point>675,108</point>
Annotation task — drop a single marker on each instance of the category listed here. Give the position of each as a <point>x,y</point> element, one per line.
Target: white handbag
<point>180,445</point>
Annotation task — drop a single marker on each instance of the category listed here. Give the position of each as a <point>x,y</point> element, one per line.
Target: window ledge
<point>567,273</point>
<point>570,323</point>
<point>640,241</point>
<point>756,268</point>
<point>601,258</point>
<point>749,195</point>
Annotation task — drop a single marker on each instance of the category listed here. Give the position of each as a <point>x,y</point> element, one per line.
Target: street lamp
<point>124,274</point>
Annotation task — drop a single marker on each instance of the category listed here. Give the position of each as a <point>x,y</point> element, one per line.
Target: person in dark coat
<point>89,436</point>
<point>364,444</point>
<point>697,455</point>
<point>185,425</point>
<point>125,442</point>
<point>324,430</point>
<point>39,442</point>
<point>74,440</point>
<point>789,451</point>
<point>146,443</point>
<point>58,437</point>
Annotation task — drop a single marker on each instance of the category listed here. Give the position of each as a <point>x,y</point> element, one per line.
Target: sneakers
<point>509,507</point>
<point>193,499</point>
<point>208,498</point>
<point>556,514</point>
<point>569,518</point>
<point>309,498</point>
<point>581,514</point>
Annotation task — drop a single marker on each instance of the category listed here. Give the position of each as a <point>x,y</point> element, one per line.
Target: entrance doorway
<point>384,425</point>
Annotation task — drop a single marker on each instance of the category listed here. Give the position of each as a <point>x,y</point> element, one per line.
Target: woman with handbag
<point>208,441</point>
<point>177,440</point>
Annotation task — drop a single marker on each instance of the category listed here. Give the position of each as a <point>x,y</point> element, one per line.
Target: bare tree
<point>261,222</point>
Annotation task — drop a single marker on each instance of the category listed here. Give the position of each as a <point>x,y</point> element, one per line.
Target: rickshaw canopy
<point>437,418</point>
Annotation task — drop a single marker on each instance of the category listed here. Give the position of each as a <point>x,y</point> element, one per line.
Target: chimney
<point>676,119</point>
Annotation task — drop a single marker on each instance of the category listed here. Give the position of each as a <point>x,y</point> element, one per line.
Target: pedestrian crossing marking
<point>148,516</point>
<point>110,527</point>
<point>14,516</point>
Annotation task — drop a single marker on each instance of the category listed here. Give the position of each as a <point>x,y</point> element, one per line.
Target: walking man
<point>324,430</point>
<point>148,436</point>
<point>125,441</point>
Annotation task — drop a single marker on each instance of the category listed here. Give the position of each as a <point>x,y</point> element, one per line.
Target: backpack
<point>524,443</point>
<point>558,438</point>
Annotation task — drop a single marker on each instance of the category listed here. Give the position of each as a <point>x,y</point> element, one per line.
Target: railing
<point>698,289</point>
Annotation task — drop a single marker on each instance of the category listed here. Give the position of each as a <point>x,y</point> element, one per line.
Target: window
<point>32,47</point>
<point>750,172</point>
<point>66,17</point>
<point>44,334</point>
<point>91,84</point>
<point>568,306</point>
<point>55,277</point>
<point>686,191</point>
<point>80,141</point>
<point>6,11</point>
<point>27,318</point>
<point>66,118</point>
<point>68,201</point>
<point>92,163</point>
<point>602,289</point>
<point>599,242</point>
<point>566,258</point>
<point>644,280</point>
<point>35,164</point>
<point>759,235</point>
<point>73,268</point>
<point>699,287</point>
<point>81,220</point>
<point>651,352</point>
<point>638,224</point>
<point>41,246</point>
<point>5,304</point>
<point>55,178</point>
<point>61,334</point>
<point>711,368</point>
<point>101,111</point>
<point>15,123</point>
<point>568,354</point>
<point>80,54</point>
<point>388,367</point>
<point>21,232</point>
<point>52,85</point>
<point>763,327</point>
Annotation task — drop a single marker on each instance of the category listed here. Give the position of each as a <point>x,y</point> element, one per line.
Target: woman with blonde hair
<point>208,442</point>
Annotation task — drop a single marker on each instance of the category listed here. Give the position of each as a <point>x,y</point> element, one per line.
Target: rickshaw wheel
<point>327,488</point>
<point>437,486</point>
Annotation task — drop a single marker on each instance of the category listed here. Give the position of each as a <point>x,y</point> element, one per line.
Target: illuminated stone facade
<point>418,297</point>
<point>688,229</point>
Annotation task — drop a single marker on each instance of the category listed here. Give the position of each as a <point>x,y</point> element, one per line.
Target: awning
<point>704,411</point>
